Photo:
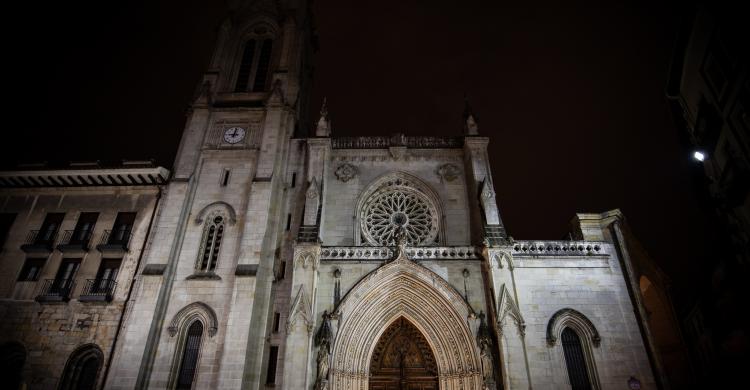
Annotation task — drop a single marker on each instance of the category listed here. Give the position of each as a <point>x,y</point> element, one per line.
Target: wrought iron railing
<point>39,239</point>
<point>76,238</point>
<point>115,239</point>
<point>98,289</point>
<point>557,248</point>
<point>56,289</point>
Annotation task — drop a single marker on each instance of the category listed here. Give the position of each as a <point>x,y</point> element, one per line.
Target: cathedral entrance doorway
<point>403,327</point>
<point>403,360</point>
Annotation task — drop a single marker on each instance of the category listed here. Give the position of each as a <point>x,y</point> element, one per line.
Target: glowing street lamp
<point>699,156</point>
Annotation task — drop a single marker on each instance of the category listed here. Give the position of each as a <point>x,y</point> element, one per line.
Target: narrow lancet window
<point>189,361</point>
<point>212,235</point>
<point>246,67</point>
<point>575,360</point>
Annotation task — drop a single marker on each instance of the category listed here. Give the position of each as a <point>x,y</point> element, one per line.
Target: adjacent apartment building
<point>70,243</point>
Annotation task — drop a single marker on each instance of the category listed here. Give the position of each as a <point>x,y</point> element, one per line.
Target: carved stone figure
<point>323,364</point>
<point>323,340</point>
<point>485,352</point>
<point>486,359</point>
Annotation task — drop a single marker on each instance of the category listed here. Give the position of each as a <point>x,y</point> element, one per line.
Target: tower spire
<point>470,121</point>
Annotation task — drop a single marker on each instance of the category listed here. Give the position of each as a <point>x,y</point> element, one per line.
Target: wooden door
<point>403,360</point>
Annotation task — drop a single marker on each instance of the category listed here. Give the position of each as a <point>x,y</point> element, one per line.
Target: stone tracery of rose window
<point>395,207</point>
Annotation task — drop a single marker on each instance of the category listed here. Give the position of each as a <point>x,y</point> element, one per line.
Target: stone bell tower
<point>201,314</point>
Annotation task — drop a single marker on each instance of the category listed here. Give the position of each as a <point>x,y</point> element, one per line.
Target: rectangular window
<point>282,270</point>
<point>65,276</point>
<point>48,230</point>
<point>84,227</point>
<point>122,227</point>
<point>108,269</point>
<point>6,221</point>
<point>106,277</point>
<point>225,178</point>
<point>288,221</point>
<point>31,270</point>
<point>294,179</point>
<point>68,269</point>
<point>276,319</point>
<point>273,356</point>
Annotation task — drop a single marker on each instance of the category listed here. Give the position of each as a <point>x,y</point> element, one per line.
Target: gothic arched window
<point>210,244</point>
<point>189,359</point>
<point>82,369</point>
<point>252,74</point>
<point>575,360</point>
<point>578,337</point>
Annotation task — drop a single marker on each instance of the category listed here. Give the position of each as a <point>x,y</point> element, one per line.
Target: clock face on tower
<point>234,135</point>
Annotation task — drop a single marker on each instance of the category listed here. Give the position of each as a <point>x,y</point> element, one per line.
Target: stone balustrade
<point>557,248</point>
<point>386,253</point>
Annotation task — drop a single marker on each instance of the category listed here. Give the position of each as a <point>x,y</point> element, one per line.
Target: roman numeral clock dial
<point>234,135</point>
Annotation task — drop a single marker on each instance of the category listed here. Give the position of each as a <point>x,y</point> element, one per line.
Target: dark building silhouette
<point>710,93</point>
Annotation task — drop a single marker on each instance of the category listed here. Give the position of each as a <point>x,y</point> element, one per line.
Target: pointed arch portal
<point>396,292</point>
<point>403,360</point>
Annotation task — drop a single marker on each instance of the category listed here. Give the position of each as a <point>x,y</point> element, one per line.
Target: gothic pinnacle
<point>470,121</point>
<point>323,128</point>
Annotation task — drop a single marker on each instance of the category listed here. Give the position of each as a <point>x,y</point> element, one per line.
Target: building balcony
<point>39,241</point>
<point>98,290</point>
<point>114,243</point>
<point>56,290</point>
<point>75,241</point>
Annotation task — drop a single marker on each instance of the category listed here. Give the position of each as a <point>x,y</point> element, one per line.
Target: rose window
<point>390,210</point>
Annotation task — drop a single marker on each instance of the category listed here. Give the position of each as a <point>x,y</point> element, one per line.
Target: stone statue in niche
<point>448,172</point>
<point>485,354</point>
<point>486,358</point>
<point>323,340</point>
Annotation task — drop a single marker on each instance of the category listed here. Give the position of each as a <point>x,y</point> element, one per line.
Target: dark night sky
<point>571,94</point>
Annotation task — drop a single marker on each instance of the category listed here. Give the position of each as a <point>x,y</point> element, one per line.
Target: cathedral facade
<point>321,262</point>
<point>349,263</point>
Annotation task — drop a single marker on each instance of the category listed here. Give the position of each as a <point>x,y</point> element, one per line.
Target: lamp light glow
<point>700,156</point>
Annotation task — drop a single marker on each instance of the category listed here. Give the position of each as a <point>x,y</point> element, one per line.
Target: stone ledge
<point>154,269</point>
<point>203,276</point>
<point>246,270</point>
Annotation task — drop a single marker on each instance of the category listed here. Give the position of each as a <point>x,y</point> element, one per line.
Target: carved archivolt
<point>213,208</point>
<point>398,289</point>
<point>398,200</point>
<point>574,319</point>
<point>191,312</point>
